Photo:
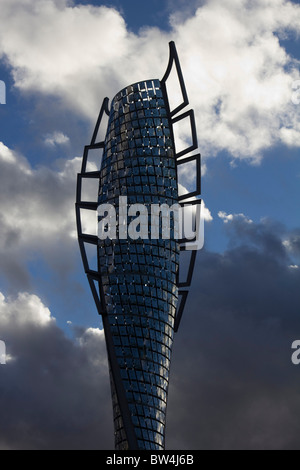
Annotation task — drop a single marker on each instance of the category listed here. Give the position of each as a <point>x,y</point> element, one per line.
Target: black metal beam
<point>174,58</point>
<point>184,295</point>
<point>194,145</point>
<point>179,160</point>
<point>104,109</point>
<point>197,191</point>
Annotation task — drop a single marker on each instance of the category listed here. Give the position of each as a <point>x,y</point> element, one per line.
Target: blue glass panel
<point>140,276</point>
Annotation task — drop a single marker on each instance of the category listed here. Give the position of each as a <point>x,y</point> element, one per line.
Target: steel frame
<point>94,277</point>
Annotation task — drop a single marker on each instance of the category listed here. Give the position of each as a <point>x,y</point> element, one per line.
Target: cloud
<point>292,242</point>
<point>66,56</point>
<point>241,75</point>
<point>55,391</point>
<point>206,213</point>
<point>238,74</point>
<point>33,311</point>
<point>230,217</point>
<point>57,138</point>
<point>37,215</point>
<point>233,385</point>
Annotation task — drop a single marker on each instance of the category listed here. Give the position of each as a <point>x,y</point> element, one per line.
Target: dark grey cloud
<point>37,217</point>
<point>233,385</point>
<point>54,391</point>
<point>39,250</point>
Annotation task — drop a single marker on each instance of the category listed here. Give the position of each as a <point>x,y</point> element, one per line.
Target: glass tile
<point>139,277</point>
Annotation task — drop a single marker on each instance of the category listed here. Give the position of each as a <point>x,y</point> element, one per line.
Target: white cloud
<point>55,389</point>
<point>37,216</point>
<point>207,214</point>
<point>239,77</point>
<point>25,309</point>
<point>239,72</point>
<point>230,217</point>
<point>287,244</point>
<point>292,243</point>
<point>225,217</point>
<point>36,203</point>
<point>57,138</point>
<point>71,52</point>
<point>291,136</point>
<point>6,154</point>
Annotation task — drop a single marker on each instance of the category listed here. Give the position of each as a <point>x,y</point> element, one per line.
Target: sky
<point>233,384</point>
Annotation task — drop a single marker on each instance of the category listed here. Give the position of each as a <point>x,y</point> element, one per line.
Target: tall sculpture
<point>137,287</point>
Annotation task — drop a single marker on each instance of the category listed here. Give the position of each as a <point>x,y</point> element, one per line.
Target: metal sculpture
<point>136,286</point>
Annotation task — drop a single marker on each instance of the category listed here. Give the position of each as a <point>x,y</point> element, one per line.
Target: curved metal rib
<point>84,238</point>
<point>185,245</point>
<point>95,277</point>
<point>99,286</point>
<point>174,58</point>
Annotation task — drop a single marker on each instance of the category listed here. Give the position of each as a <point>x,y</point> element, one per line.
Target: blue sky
<point>59,59</point>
